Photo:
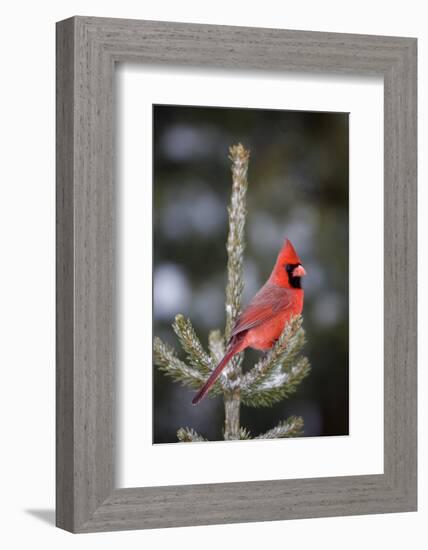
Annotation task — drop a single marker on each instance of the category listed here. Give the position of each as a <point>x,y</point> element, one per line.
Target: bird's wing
<point>270,300</point>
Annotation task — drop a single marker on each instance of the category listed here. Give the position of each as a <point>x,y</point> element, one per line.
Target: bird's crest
<point>288,254</point>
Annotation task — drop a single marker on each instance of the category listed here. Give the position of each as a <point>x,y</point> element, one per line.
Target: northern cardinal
<point>263,320</point>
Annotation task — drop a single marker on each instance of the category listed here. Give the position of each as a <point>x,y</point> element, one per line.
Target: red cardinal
<point>263,320</point>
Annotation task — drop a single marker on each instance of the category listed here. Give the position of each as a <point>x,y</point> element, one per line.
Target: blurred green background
<point>298,188</point>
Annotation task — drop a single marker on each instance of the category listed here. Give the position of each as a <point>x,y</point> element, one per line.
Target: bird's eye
<point>288,268</point>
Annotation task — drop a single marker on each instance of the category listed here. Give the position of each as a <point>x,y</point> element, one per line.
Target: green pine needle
<point>244,433</point>
<point>292,427</point>
<point>166,359</point>
<point>188,435</point>
<point>196,355</point>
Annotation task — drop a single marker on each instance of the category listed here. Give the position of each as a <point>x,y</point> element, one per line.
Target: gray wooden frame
<point>87,50</point>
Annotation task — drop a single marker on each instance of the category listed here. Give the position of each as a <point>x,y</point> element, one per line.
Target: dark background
<point>298,188</point>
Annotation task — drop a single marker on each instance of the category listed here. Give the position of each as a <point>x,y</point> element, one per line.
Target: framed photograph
<point>236,274</point>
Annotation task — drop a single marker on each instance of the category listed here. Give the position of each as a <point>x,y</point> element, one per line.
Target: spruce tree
<point>273,378</point>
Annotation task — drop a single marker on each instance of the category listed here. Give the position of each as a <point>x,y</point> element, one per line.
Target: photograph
<point>250,273</point>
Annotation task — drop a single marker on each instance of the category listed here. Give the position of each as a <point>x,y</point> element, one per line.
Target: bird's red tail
<point>214,375</point>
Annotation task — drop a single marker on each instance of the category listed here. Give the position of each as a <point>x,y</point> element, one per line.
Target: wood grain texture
<point>64,277</point>
<point>87,49</point>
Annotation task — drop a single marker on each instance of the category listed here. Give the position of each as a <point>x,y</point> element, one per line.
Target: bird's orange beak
<point>299,271</point>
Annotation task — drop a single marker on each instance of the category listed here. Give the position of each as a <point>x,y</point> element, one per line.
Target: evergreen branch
<point>235,282</point>
<point>216,345</point>
<point>244,433</point>
<point>279,386</point>
<point>196,355</point>
<point>188,435</point>
<point>292,427</point>
<point>199,360</point>
<point>166,359</point>
<point>235,240</point>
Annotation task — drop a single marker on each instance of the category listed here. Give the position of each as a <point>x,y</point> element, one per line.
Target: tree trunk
<point>231,408</point>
